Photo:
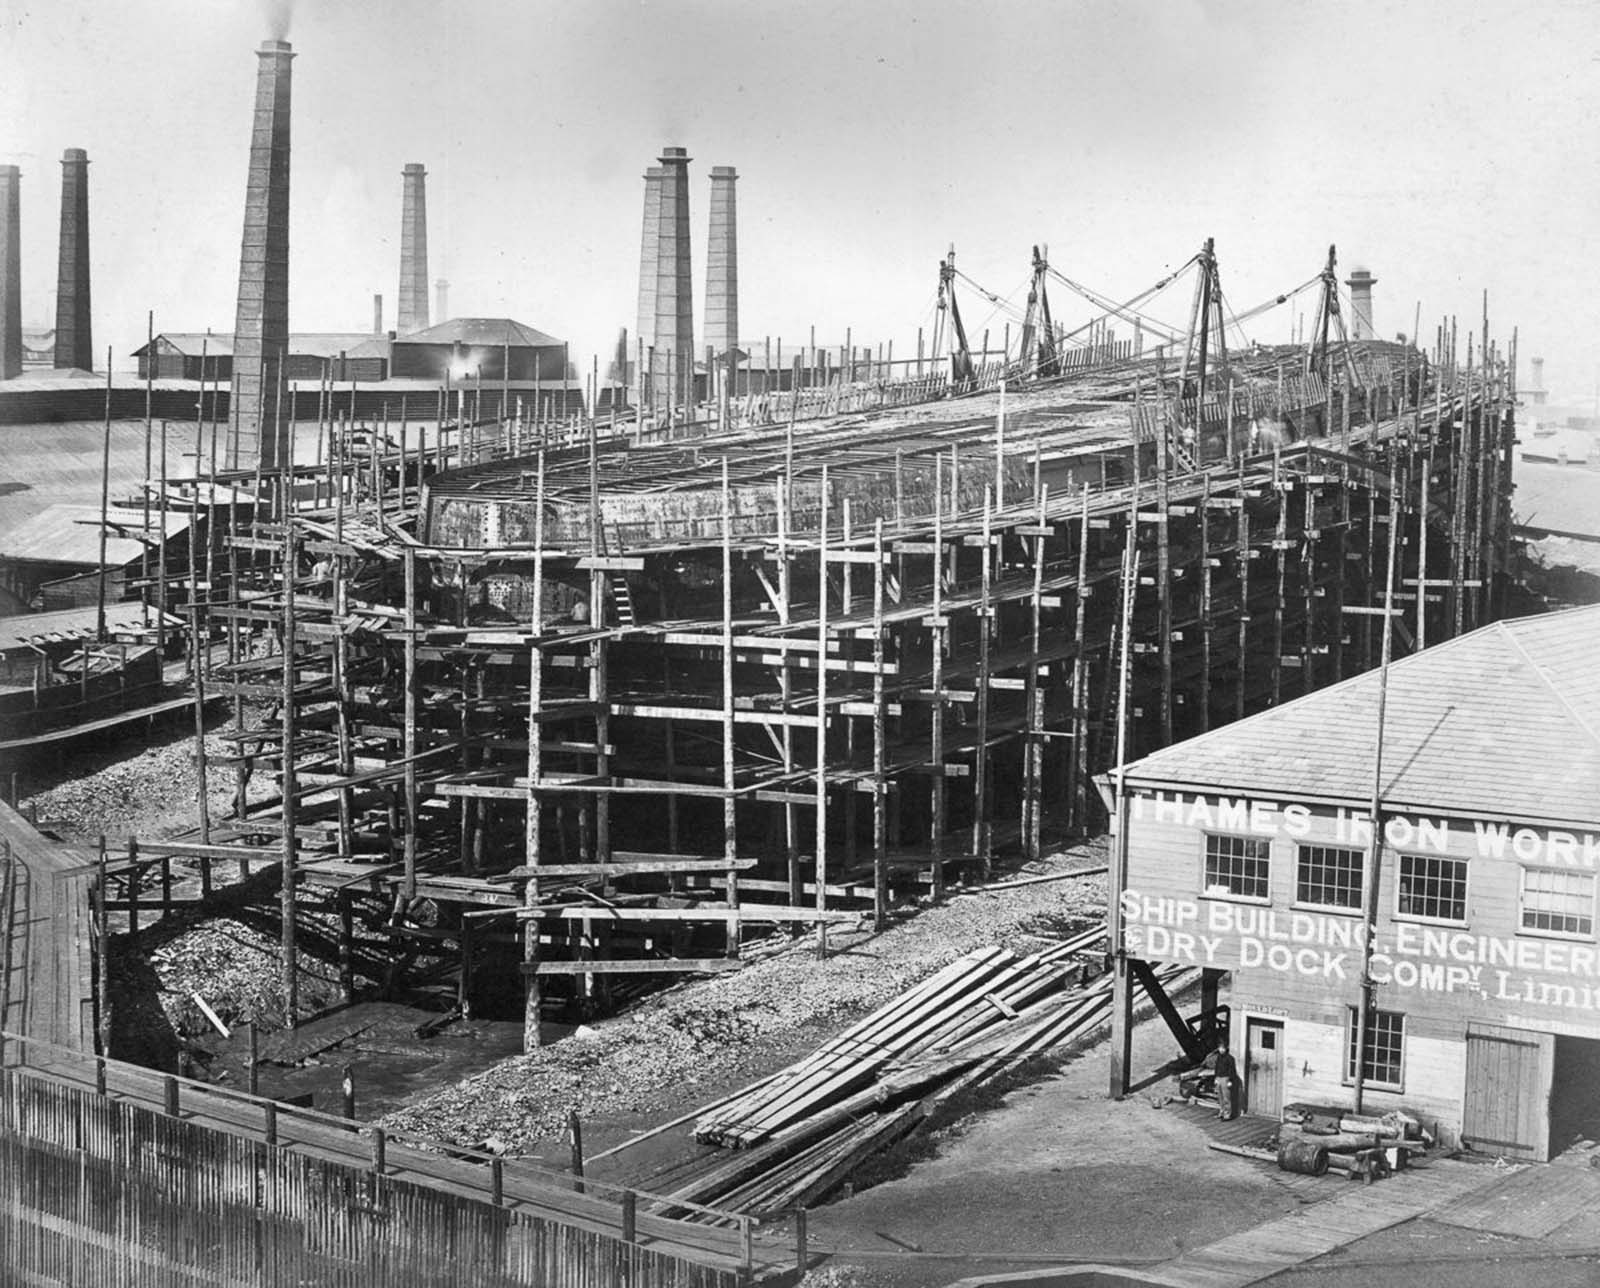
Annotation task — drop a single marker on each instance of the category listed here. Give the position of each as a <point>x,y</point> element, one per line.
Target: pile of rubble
<point>153,792</point>
<point>661,1056</point>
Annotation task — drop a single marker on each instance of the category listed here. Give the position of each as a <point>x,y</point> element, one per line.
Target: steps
<point>622,600</point>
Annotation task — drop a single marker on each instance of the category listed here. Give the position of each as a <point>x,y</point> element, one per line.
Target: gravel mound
<point>709,1029</point>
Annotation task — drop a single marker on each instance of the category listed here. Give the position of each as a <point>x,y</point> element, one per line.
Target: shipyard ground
<point>1047,1172</point>
<point>1058,1174</point>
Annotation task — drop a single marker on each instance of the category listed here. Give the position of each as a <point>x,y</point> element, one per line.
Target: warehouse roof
<point>125,617</point>
<point>312,344</point>
<point>70,534</point>
<point>482,331</point>
<point>1503,722</point>
<point>217,344</point>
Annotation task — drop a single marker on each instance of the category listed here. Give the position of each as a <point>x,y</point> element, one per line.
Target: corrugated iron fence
<point>100,1190</point>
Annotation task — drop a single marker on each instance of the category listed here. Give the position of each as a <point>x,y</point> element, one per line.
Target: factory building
<point>478,348</point>
<point>194,355</point>
<point>1247,851</point>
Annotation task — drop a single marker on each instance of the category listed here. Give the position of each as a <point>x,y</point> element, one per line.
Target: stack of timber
<point>800,1134</point>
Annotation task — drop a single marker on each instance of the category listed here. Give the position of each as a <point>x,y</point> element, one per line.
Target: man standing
<point>1227,1082</point>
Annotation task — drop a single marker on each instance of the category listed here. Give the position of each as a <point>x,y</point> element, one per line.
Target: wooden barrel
<point>1296,1154</point>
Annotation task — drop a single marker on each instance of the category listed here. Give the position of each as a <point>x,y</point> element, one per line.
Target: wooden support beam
<point>730,830</point>
<point>982,832</point>
<point>754,912</point>
<point>289,964</point>
<point>532,1009</point>
<point>1189,1042</point>
<point>654,966</point>
<point>820,821</point>
<point>880,871</point>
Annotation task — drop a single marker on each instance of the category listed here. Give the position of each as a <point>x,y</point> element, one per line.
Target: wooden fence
<point>104,1188</point>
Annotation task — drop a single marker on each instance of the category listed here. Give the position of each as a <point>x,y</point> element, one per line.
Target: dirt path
<point>1057,1171</point>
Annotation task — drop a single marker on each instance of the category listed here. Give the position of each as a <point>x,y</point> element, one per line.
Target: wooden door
<point>1263,1067</point>
<point>1506,1108</point>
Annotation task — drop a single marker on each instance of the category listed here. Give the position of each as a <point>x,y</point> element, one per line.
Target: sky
<point>1449,147</point>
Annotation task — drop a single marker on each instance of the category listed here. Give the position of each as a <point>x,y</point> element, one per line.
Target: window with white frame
<point>1328,876</point>
<point>1558,903</point>
<point>1237,867</point>
<point>1431,887</point>
<point>1385,1062</point>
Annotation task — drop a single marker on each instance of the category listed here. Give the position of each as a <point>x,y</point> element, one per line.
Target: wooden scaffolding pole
<point>880,855</point>
<point>1078,749</point>
<point>936,822</point>
<point>410,731</point>
<point>730,828</point>
<point>982,829</point>
<point>791,821</point>
<point>1244,555</point>
<point>1164,573</point>
<point>532,1029</point>
<point>1280,550</point>
<point>286,777</point>
<point>1033,691</point>
<point>1207,625</point>
<point>822,715</point>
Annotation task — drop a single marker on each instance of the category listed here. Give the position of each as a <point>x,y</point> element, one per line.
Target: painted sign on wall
<point>1482,838</point>
<point>1329,948</point>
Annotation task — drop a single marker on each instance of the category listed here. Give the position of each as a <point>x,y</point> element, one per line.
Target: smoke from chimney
<point>278,15</point>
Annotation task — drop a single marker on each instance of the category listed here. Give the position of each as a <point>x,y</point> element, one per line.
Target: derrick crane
<point>1328,318</point>
<point>1205,323</point>
<point>1038,352</point>
<point>961,375</point>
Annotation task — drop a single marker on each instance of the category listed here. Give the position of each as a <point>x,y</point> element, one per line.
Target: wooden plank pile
<point>798,1135</point>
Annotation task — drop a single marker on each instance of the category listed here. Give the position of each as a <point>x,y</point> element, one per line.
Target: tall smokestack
<point>74,342</point>
<point>722,264</point>
<point>377,314</point>
<point>261,326</point>
<point>10,272</point>
<point>674,332</point>
<point>650,255</point>
<point>414,250</point>
<point>441,300</point>
<point>1361,283</point>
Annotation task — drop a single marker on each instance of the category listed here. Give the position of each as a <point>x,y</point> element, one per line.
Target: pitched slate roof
<point>302,344</point>
<point>482,331</point>
<point>70,534</point>
<point>1503,722</point>
<point>123,617</point>
<point>217,344</point>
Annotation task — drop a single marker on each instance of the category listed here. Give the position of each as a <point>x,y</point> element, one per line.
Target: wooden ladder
<point>1180,453</point>
<point>622,600</point>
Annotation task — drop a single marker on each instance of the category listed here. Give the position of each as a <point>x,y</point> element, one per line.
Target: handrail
<point>168,1096</point>
<point>7,938</point>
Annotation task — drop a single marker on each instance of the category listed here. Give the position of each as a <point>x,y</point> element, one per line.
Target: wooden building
<point>1248,848</point>
<point>488,349</point>
<point>53,557</point>
<point>313,356</point>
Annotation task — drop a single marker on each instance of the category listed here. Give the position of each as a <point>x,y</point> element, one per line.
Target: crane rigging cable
<point>1127,310</point>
